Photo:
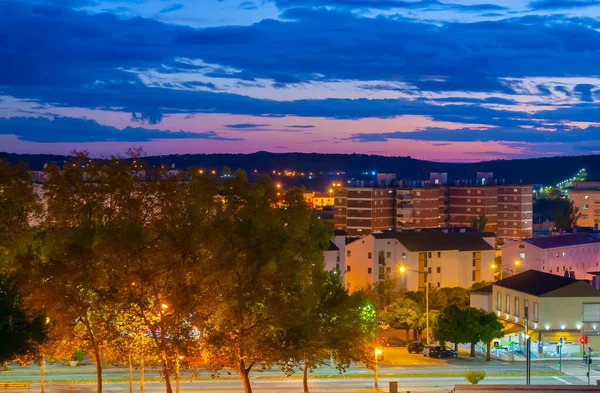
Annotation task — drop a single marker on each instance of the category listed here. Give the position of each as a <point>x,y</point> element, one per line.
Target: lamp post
<point>377,353</point>
<point>502,268</point>
<point>403,270</point>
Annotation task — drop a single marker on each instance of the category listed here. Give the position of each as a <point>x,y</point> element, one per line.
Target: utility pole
<point>527,349</point>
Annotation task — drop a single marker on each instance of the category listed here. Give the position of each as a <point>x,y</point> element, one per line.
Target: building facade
<point>554,307</point>
<point>507,209</point>
<point>586,198</point>
<point>572,255</point>
<point>360,211</point>
<point>441,259</point>
<point>515,212</point>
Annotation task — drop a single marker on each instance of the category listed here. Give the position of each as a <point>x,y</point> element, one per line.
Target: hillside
<point>536,171</point>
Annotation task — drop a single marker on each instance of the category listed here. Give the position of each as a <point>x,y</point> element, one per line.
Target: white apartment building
<point>335,253</point>
<point>454,259</point>
<point>572,255</point>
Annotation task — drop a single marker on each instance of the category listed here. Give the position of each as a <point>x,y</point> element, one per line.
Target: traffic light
<point>558,349</point>
<point>583,340</point>
<point>584,358</point>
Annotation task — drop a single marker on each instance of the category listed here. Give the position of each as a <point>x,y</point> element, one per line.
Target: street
<point>411,371</point>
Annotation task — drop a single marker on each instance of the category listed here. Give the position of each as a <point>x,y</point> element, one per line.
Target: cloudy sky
<point>453,80</point>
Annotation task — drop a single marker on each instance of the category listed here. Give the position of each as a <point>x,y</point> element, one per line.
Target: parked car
<point>439,351</point>
<point>391,341</point>
<point>416,347</point>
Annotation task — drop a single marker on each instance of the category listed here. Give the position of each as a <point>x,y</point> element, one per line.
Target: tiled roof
<point>562,240</point>
<point>535,282</point>
<point>437,241</point>
<point>332,246</point>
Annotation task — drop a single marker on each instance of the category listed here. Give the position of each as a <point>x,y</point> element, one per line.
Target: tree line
<point>145,266</point>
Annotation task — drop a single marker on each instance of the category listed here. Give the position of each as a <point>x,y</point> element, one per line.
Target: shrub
<point>78,356</point>
<point>474,377</point>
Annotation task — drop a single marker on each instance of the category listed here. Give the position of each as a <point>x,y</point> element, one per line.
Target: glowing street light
<point>377,353</point>
<point>164,306</point>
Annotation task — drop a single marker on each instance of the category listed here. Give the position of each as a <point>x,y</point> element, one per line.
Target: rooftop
<point>340,232</point>
<point>486,289</point>
<point>437,241</point>
<point>332,246</point>
<point>538,283</point>
<point>562,240</point>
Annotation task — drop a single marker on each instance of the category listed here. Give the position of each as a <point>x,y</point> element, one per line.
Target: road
<point>396,361</point>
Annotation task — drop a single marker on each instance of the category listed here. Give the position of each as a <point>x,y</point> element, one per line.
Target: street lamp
<point>377,353</point>
<point>502,268</point>
<point>403,270</point>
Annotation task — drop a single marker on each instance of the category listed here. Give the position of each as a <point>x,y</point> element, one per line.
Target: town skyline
<point>452,81</point>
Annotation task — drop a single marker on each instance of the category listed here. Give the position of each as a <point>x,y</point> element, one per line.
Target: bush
<point>474,377</point>
<point>78,356</point>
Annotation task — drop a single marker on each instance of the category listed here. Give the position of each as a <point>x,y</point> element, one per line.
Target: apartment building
<point>360,211</point>
<point>515,212</point>
<point>439,258</point>
<point>554,306</point>
<point>463,204</point>
<point>417,208</point>
<point>334,256</point>
<point>586,197</point>
<point>572,255</point>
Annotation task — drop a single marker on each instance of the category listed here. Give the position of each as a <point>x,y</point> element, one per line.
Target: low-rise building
<point>335,254</point>
<point>553,306</point>
<point>572,255</point>
<point>439,258</point>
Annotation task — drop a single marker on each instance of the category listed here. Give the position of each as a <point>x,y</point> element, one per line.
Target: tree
<point>329,324</point>
<point>479,223</point>
<point>489,329</point>
<point>268,252</point>
<point>452,326</point>
<point>567,215</point>
<point>19,332</point>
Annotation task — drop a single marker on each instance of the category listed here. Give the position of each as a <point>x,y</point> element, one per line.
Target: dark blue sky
<point>452,80</point>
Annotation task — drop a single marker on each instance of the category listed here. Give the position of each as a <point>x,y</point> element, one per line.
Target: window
<point>474,263</point>
<point>439,254</point>
<point>337,266</point>
<point>479,191</point>
<point>584,207</point>
<point>507,304</point>
<point>526,308</point>
<point>469,192</point>
<point>388,270</point>
<point>535,312</point>
<point>498,301</point>
<point>522,255</point>
<point>418,193</point>
<point>516,310</point>
<point>348,268</point>
<point>429,270</point>
<point>338,258</point>
<point>439,269</point>
<point>348,253</point>
<point>388,254</point>
<point>403,255</point>
<point>473,276</point>
<point>369,271</point>
<point>429,255</point>
<point>474,254</point>
<point>479,201</point>
<point>370,255</point>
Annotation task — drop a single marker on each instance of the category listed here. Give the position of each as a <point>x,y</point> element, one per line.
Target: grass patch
<point>315,376</point>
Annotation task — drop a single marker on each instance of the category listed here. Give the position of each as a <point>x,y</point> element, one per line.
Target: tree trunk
<point>142,375</point>
<point>177,377</point>
<point>305,377</point>
<point>489,350</point>
<point>98,368</point>
<point>407,334</point>
<point>245,374</point>
<point>130,375</point>
<point>456,347</point>
<point>166,371</point>
<point>472,354</point>
<point>42,366</point>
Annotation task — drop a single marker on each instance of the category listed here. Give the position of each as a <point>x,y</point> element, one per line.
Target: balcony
<point>404,197</point>
<point>404,205</point>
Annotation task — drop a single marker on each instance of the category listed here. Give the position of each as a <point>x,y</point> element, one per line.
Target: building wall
<point>503,304</point>
<point>481,300</point>
<point>449,268</point>
<point>578,259</point>
<point>360,211</point>
<point>466,203</point>
<point>515,212</point>
<point>417,208</point>
<point>588,203</point>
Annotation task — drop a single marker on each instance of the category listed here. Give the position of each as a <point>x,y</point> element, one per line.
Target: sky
<point>447,80</point>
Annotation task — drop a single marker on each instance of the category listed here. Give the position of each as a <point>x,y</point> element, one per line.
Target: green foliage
<point>19,332</point>
<point>567,215</point>
<point>78,356</point>
<point>474,377</point>
<point>479,223</point>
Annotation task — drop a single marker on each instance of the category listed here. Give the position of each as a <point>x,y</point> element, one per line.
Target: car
<point>416,347</point>
<point>392,341</point>
<point>439,351</point>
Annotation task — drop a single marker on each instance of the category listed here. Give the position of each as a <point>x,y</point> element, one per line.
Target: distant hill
<point>536,171</point>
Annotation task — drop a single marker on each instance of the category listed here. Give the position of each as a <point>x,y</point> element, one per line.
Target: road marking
<point>562,380</point>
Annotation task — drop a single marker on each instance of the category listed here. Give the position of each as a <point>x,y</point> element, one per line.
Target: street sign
<point>561,341</point>
<point>590,349</point>
<point>496,344</point>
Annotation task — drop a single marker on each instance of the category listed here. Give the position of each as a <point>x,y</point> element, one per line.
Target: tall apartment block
<point>586,197</point>
<point>515,212</point>
<point>360,211</point>
<point>463,204</point>
<point>508,209</point>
